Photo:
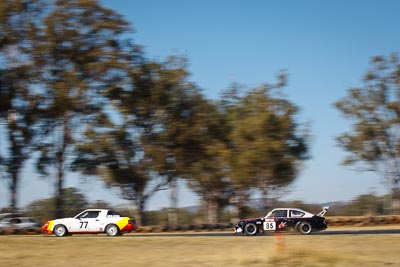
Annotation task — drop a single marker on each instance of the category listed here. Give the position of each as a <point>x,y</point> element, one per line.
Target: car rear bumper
<point>128,228</point>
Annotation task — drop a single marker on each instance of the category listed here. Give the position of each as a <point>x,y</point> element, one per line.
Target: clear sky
<point>324,46</point>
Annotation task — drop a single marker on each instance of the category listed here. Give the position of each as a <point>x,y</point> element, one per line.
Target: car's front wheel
<point>305,228</point>
<point>60,230</point>
<point>250,229</point>
<point>112,230</point>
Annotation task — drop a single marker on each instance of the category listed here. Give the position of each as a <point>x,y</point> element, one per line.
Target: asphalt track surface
<point>225,234</point>
<point>233,235</point>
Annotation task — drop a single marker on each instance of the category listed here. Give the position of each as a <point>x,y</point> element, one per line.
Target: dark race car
<point>284,219</point>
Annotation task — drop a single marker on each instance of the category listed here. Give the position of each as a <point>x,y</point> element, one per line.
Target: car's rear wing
<point>322,213</point>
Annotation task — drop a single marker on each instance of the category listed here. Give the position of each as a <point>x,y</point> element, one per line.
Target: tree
<point>187,128</point>
<point>74,202</point>
<point>18,105</point>
<point>184,135</point>
<point>138,152</point>
<point>162,103</point>
<point>247,141</point>
<point>373,143</point>
<point>367,204</point>
<point>207,171</point>
<point>80,54</point>
<point>115,155</point>
<point>267,145</point>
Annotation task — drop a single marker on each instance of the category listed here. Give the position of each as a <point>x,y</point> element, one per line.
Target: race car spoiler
<point>324,210</point>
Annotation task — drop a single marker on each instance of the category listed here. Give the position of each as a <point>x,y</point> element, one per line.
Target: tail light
<point>45,226</point>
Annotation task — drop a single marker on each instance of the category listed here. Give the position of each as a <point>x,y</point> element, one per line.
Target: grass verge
<point>168,251</point>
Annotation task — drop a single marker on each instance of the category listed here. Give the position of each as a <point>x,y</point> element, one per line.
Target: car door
<point>294,217</point>
<point>280,217</point>
<point>86,222</point>
<point>75,225</point>
<point>95,222</point>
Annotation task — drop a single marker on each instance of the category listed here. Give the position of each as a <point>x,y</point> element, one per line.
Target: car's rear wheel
<point>305,228</point>
<point>250,229</point>
<point>60,230</point>
<point>112,230</point>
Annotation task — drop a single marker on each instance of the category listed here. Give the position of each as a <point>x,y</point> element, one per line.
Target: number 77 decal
<point>83,223</point>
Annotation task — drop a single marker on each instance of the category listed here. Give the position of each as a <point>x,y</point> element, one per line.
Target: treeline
<point>75,202</point>
<point>78,94</point>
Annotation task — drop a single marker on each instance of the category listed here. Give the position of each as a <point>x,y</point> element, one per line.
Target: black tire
<point>250,229</point>
<point>112,230</point>
<point>60,230</point>
<point>305,228</point>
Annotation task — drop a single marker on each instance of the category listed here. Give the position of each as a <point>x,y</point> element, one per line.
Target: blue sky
<point>324,46</point>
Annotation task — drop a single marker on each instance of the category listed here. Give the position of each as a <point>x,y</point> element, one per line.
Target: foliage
<point>99,106</point>
<point>374,109</point>
<point>113,155</point>
<point>266,144</point>
<point>80,54</point>
<point>362,205</point>
<point>366,204</point>
<point>160,217</point>
<point>130,152</point>
<point>73,203</point>
<point>206,172</point>
<point>18,105</point>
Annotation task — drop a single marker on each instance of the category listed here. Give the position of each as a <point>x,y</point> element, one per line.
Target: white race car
<point>91,221</point>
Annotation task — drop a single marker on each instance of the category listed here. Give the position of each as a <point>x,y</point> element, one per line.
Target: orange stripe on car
<point>50,227</point>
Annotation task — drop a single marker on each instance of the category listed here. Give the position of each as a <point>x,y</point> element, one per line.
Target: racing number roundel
<point>269,225</point>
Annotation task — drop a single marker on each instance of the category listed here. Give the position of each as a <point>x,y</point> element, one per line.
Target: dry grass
<point>168,251</point>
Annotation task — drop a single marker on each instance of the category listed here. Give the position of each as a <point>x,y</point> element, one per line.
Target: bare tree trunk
<point>242,198</point>
<point>173,210</point>
<point>59,209</point>
<point>14,166</point>
<point>234,210</point>
<point>212,211</point>
<point>59,192</point>
<point>139,214</point>
<point>13,191</point>
<point>395,205</point>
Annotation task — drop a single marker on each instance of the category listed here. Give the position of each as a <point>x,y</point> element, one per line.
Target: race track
<point>224,234</point>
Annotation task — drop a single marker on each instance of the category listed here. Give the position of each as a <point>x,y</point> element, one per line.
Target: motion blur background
<point>221,109</point>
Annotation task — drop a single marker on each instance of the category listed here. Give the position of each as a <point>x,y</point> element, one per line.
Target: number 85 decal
<point>270,226</point>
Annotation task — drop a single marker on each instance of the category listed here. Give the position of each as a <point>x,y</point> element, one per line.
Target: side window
<point>296,214</point>
<point>90,215</point>
<point>112,213</point>
<point>279,214</point>
<point>15,220</point>
<point>93,214</point>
